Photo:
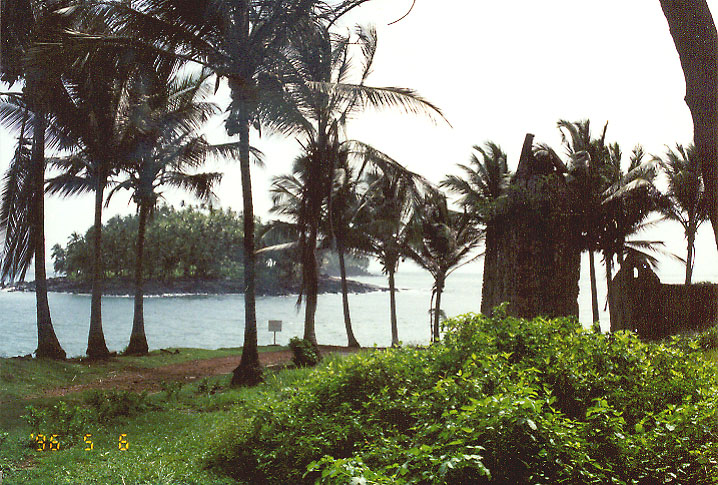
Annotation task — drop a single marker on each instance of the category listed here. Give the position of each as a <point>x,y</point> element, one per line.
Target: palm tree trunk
<point>352,341</point>
<point>96,347</point>
<point>138,339</point>
<point>689,258</point>
<point>47,344</point>
<point>392,308</point>
<point>311,286</point>
<point>609,278</point>
<point>694,34</point>
<point>437,308</point>
<point>594,292</point>
<point>249,370</point>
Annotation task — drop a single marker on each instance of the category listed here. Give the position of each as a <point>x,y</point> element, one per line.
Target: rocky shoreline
<point>121,287</point>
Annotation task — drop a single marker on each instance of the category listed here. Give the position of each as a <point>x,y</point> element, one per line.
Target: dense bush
<point>502,400</point>
<point>304,353</point>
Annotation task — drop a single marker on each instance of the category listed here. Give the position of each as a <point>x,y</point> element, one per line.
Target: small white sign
<point>275,325</point>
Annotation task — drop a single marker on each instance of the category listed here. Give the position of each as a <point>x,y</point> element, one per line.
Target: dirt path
<point>138,379</point>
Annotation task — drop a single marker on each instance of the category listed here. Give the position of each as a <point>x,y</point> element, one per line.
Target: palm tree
<point>483,184</point>
<point>240,42</point>
<point>24,25</point>
<point>384,221</point>
<point>289,196</point>
<point>318,101</point>
<point>444,239</point>
<point>342,210</point>
<point>686,193</point>
<point>626,205</point>
<point>589,158</point>
<point>169,149</point>
<point>97,115</point>
<point>610,204</point>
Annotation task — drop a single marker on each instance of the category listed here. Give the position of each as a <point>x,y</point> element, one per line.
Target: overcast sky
<point>497,70</point>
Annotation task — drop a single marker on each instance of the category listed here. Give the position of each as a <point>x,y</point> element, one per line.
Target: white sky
<point>497,70</point>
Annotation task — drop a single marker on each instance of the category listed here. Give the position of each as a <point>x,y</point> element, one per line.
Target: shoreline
<point>188,287</point>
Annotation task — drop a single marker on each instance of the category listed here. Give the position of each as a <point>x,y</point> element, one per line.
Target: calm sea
<point>217,321</point>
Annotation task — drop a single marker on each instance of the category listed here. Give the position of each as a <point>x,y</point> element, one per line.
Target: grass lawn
<point>163,436</point>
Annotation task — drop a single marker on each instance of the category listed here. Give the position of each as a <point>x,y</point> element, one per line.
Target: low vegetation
<point>502,400</point>
<point>112,436</point>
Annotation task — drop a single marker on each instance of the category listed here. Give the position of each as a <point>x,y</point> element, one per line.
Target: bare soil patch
<point>137,379</point>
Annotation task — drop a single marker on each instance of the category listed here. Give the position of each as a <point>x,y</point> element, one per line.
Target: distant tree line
<point>191,242</point>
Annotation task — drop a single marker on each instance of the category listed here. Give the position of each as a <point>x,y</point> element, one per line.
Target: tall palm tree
<point>24,25</point>
<point>385,223</point>
<point>97,114</point>
<point>289,196</point>
<point>168,151</point>
<point>239,41</point>
<point>341,214</point>
<point>686,193</point>
<point>482,185</point>
<point>319,99</point>
<point>444,239</point>
<point>611,203</point>
<point>589,157</point>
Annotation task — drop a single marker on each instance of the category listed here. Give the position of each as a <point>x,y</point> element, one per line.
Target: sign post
<point>275,326</point>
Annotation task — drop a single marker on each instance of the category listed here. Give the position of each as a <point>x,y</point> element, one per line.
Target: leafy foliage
<point>502,400</point>
<point>304,353</point>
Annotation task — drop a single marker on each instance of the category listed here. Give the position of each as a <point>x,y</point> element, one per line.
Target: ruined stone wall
<point>655,310</point>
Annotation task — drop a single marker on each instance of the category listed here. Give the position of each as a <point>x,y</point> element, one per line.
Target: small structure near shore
<point>638,301</point>
<point>532,258</point>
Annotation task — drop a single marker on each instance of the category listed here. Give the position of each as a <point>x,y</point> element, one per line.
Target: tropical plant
<point>28,24</point>
<point>240,42</point>
<point>289,196</point>
<point>443,243</point>
<point>169,149</point>
<point>484,182</point>
<point>319,99</point>
<point>384,223</point>
<point>97,115</point>
<point>686,193</point>
<point>611,204</point>
<point>588,157</point>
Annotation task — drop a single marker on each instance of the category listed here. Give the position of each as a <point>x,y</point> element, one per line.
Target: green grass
<point>21,378</point>
<point>165,444</point>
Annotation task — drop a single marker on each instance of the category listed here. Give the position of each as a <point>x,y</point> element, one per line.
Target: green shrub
<point>171,388</point>
<point>67,421</point>
<point>501,400</point>
<point>304,353</point>
<point>708,340</point>
<point>110,405</point>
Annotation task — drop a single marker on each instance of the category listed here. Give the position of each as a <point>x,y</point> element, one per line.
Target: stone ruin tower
<point>533,257</point>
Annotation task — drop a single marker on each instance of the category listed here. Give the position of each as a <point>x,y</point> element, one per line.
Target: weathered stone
<point>532,258</point>
<point>641,303</point>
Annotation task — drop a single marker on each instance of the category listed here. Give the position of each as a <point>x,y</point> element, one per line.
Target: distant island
<point>192,286</point>
<point>193,251</point>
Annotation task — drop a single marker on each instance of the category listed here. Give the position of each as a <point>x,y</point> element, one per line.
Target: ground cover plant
<point>502,400</point>
<point>164,432</point>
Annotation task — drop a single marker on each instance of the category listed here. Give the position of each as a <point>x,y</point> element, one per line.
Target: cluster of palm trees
<point>610,204</point>
<point>118,89</point>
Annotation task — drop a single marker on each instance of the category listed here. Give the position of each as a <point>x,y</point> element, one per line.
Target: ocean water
<point>217,321</point>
